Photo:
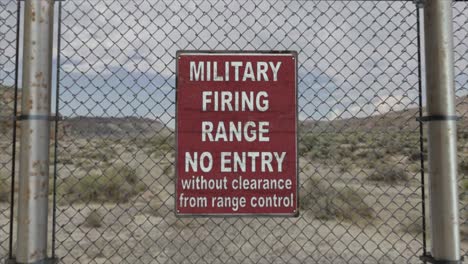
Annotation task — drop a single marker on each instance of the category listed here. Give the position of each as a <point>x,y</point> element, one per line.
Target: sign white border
<point>286,53</point>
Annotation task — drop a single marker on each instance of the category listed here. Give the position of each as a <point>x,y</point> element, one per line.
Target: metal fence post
<point>34,145</point>
<point>442,131</point>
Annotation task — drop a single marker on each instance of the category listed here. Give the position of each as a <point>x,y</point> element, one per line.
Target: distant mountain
<point>87,127</point>
<point>404,120</point>
<point>121,127</point>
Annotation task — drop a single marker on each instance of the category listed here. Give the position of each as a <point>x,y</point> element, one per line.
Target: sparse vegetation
<point>155,206</point>
<point>98,154</point>
<point>346,164</point>
<point>414,155</point>
<point>85,164</point>
<point>465,185</point>
<point>413,227</point>
<point>389,174</point>
<point>358,146</point>
<point>464,165</point>
<point>331,202</point>
<point>167,170</point>
<point>382,153</point>
<point>94,219</point>
<point>4,191</point>
<point>115,184</point>
<point>414,168</point>
<point>158,146</point>
<point>339,192</point>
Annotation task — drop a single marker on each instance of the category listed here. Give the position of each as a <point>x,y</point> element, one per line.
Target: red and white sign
<point>236,133</point>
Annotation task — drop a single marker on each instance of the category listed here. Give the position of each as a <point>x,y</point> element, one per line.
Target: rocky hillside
<point>392,121</point>
<point>120,127</point>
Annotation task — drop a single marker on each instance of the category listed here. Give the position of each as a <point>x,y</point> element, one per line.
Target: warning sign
<point>236,133</point>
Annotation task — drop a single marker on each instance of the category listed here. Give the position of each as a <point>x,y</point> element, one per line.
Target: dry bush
<point>4,191</point>
<point>94,219</point>
<point>117,183</point>
<point>389,174</point>
<point>329,202</point>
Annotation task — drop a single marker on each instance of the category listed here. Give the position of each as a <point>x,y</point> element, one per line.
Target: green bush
<point>94,219</point>
<point>115,184</point>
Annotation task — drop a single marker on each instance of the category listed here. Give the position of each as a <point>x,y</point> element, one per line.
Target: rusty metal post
<point>442,131</point>
<point>34,144</point>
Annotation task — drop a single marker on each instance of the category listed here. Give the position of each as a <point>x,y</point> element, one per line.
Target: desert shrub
<point>114,184</point>
<point>389,174</point>
<point>158,207</point>
<point>85,164</point>
<point>463,165</point>
<point>64,159</point>
<point>414,155</point>
<point>392,149</point>
<point>306,143</point>
<point>159,145</point>
<point>331,202</point>
<point>412,227</point>
<point>167,170</point>
<point>4,191</point>
<point>302,149</point>
<point>465,185</point>
<point>416,167</point>
<point>95,153</point>
<point>346,164</point>
<point>94,219</point>
<point>154,206</point>
<point>318,153</point>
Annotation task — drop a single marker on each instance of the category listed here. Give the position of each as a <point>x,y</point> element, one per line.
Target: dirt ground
<point>145,229</point>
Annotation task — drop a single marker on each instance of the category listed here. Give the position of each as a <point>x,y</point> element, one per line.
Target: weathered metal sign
<point>236,133</point>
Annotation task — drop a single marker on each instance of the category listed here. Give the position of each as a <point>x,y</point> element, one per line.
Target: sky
<point>355,58</point>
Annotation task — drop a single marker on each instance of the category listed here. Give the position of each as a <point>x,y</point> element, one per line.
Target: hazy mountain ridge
<point>87,127</point>
<point>404,120</point>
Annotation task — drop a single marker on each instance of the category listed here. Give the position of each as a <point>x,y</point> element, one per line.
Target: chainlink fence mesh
<point>359,141</point>
<point>8,31</point>
<point>360,188</point>
<point>460,28</point>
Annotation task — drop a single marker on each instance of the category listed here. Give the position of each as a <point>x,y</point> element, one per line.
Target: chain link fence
<point>461,83</point>
<point>360,168</point>
<point>8,62</point>
<point>359,152</point>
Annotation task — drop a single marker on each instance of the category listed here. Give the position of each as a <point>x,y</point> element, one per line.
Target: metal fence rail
<point>361,182</point>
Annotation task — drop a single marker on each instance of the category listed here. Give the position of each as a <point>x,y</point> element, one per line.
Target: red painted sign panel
<point>236,132</point>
